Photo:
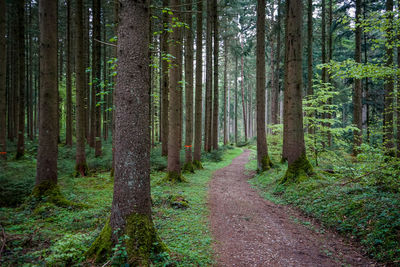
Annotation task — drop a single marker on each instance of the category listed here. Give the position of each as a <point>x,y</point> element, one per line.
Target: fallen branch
<point>361,176</point>
<point>105,43</point>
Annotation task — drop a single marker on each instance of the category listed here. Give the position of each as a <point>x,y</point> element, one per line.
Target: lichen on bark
<point>298,171</point>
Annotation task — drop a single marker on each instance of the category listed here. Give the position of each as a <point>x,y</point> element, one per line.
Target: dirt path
<point>251,231</point>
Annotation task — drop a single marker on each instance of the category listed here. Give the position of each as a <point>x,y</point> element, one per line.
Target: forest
<point>199,133</point>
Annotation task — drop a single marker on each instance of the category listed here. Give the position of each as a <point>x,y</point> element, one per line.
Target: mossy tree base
<point>266,164</point>
<point>81,169</point>
<point>141,243</point>
<point>173,177</point>
<point>298,171</point>
<point>188,167</point>
<point>197,164</point>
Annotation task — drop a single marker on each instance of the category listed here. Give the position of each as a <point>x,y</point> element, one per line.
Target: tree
<point>46,170</point>
<point>199,86</point>
<point>214,133</point>
<point>80,165</point>
<point>3,71</point>
<point>21,77</point>
<point>263,161</point>
<point>175,100</point>
<point>131,206</point>
<point>164,83</point>
<point>189,88</point>
<point>208,104</point>
<point>298,164</point>
<point>357,94</point>
<point>226,94</point>
<point>68,128</point>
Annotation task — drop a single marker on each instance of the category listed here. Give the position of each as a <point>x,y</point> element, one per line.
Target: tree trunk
<point>189,88</point>
<point>236,100</point>
<point>68,140</point>
<point>388,130</point>
<point>298,165</point>
<point>165,83</point>
<point>263,161</point>
<point>216,83</point>
<point>131,206</point>
<point>242,86</point>
<point>81,166</point>
<point>175,102</point>
<point>209,80</point>
<point>46,172</point>
<point>199,86</point>
<point>310,90</point>
<point>21,78</point>
<point>226,119</point>
<point>3,71</point>
<point>96,75</point>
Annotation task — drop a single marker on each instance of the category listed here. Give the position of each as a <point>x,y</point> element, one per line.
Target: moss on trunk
<point>197,165</point>
<point>298,171</point>
<point>173,177</point>
<point>141,244</point>
<point>188,167</point>
<point>266,164</point>
<point>81,169</point>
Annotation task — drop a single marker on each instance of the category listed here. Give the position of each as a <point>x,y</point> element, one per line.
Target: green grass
<point>59,236</point>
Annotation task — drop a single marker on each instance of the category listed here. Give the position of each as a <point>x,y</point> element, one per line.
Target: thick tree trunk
<point>46,172</point>
<point>263,161</point>
<point>175,102</point>
<point>388,129</point>
<point>299,167</point>
<point>199,86</point>
<point>209,79</point>
<point>226,118</point>
<point>275,70</point>
<point>165,83</point>
<point>81,166</point>
<point>96,75</point>
<point>3,71</point>
<point>68,140</point>
<point>131,206</point>
<point>242,86</point>
<point>189,88</point>
<point>310,90</point>
<point>21,78</point>
<point>215,82</point>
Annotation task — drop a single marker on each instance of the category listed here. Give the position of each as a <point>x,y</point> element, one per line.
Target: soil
<point>251,231</point>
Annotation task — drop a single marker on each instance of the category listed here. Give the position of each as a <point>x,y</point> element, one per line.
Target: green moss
<point>197,165</point>
<point>81,170</point>
<point>143,240</point>
<point>100,250</point>
<point>173,177</point>
<point>298,171</point>
<point>178,201</point>
<point>188,167</point>
<point>266,164</point>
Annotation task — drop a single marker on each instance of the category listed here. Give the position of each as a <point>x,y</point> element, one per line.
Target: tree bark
<point>242,86</point>
<point>263,161</point>
<point>298,165</point>
<point>236,100</point>
<point>96,76</point>
<point>21,78</point>
<point>310,90</point>
<point>189,88</point>
<point>3,71</point>
<point>209,79</point>
<point>68,140</point>
<point>165,83</point>
<point>46,172</point>
<point>81,166</point>
<point>226,119</point>
<point>215,82</point>
<point>199,86</point>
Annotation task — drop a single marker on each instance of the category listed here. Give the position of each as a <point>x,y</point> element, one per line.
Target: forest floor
<point>252,231</point>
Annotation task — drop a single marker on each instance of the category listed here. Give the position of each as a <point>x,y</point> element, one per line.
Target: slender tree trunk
<point>226,118</point>
<point>236,100</point>
<point>263,161</point>
<point>68,140</point>
<point>81,166</point>
<point>165,83</point>
<point>323,39</point>
<point>310,90</point>
<point>21,78</point>
<point>209,82</point>
<point>242,86</point>
<point>199,86</point>
<point>299,167</point>
<point>46,172</point>
<point>175,102</point>
<point>330,57</point>
<point>216,82</point>
<point>96,75</point>
<point>3,71</point>
<point>357,94</point>
<point>189,87</point>
<point>275,70</point>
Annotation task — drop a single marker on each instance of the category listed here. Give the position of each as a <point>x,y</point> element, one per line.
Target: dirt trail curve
<point>251,231</point>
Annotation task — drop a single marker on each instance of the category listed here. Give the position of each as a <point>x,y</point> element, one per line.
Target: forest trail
<point>252,231</point>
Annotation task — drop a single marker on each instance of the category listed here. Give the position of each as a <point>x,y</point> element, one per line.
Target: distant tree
<point>68,121</point>
<point>263,161</point>
<point>209,80</point>
<point>298,164</point>
<point>165,82</point>
<point>21,77</point>
<point>357,94</point>
<point>214,134</point>
<point>3,71</point>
